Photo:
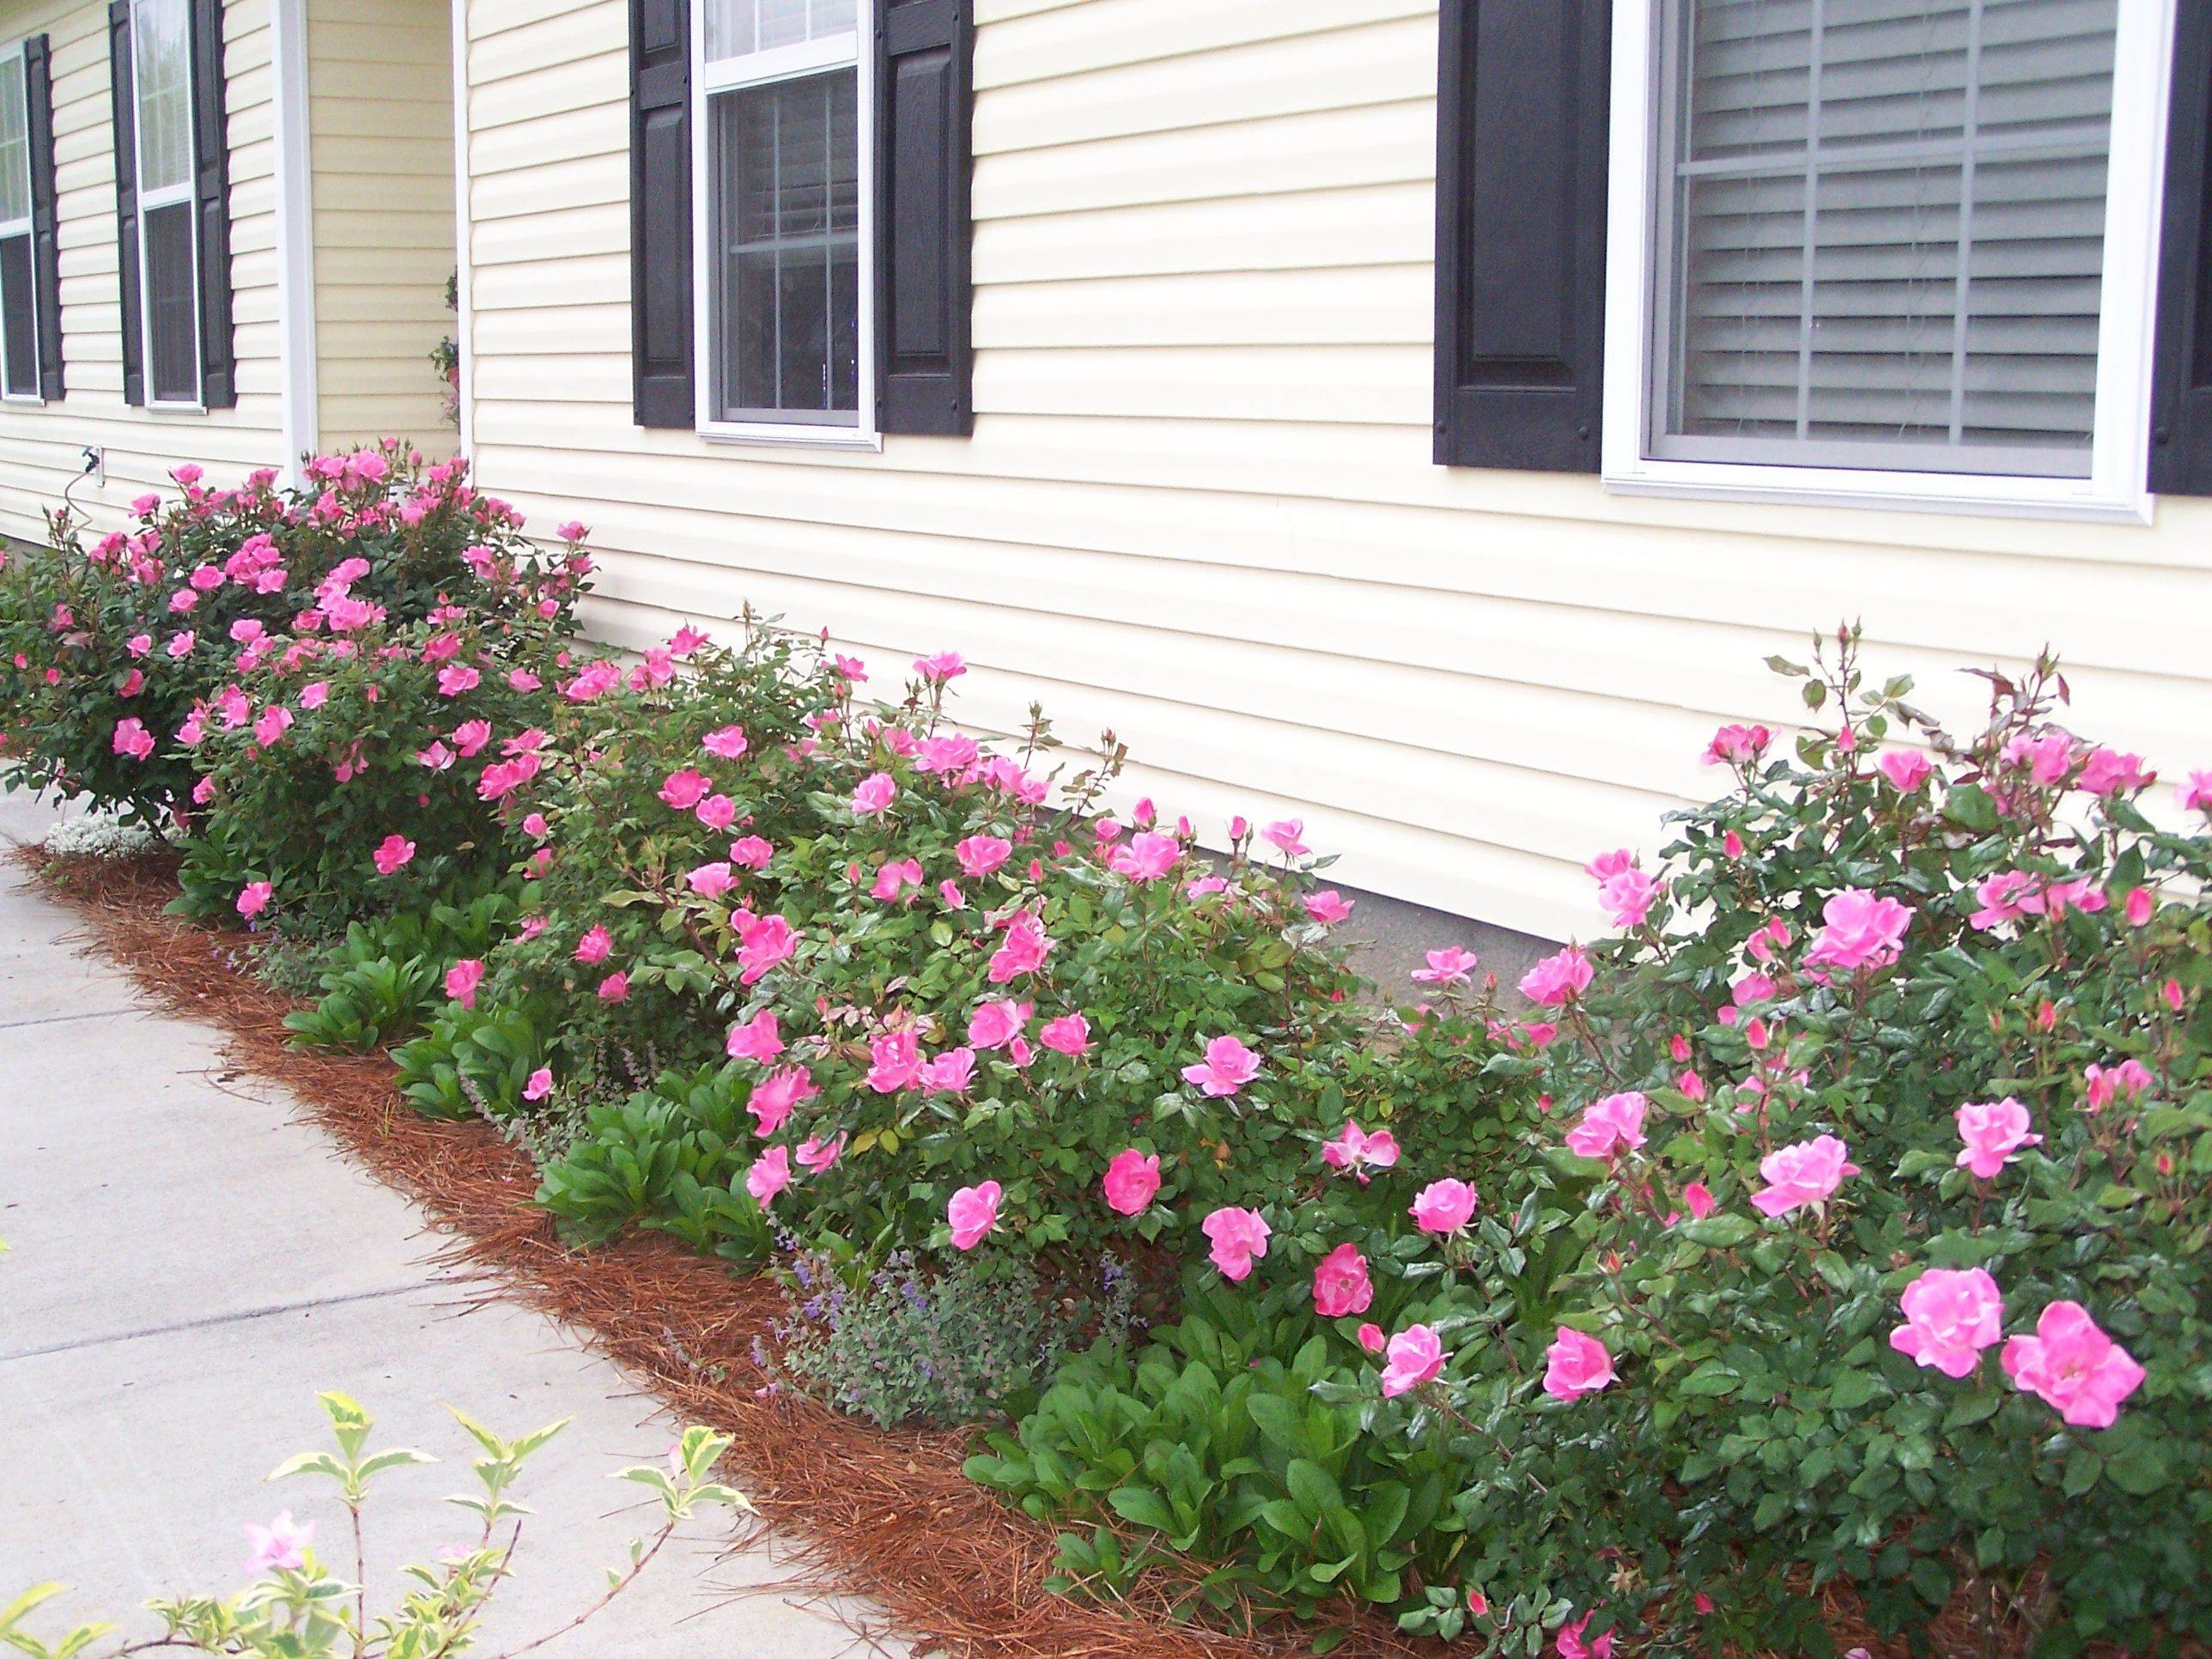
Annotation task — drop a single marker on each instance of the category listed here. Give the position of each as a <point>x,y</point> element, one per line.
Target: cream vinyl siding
<point>39,445</point>
<point>380,126</point>
<point>1198,507</point>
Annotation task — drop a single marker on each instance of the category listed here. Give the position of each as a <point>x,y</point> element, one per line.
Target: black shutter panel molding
<point>924,379</point>
<point>1524,97</point>
<point>125,125</point>
<point>45,238</point>
<point>2181,389</point>
<point>660,212</point>
<point>211,145</point>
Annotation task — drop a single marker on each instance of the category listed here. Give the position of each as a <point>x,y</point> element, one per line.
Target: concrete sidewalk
<point>191,1259</point>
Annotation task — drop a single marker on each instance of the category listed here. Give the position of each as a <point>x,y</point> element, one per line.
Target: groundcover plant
<point>1840,1220</point>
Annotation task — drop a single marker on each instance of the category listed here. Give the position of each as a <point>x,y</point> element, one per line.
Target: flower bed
<point>1840,1221</point>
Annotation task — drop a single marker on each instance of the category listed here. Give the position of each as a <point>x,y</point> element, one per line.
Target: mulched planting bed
<point>882,1514</point>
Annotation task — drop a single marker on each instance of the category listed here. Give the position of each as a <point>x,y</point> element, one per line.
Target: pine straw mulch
<point>881,1514</point>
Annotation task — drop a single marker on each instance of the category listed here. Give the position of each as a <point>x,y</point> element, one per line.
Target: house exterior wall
<point>39,445</point>
<point>380,123</point>
<point>1199,506</point>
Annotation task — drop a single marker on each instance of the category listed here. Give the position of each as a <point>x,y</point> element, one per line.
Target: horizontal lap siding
<point>39,445</point>
<point>1198,507</point>
<point>381,121</point>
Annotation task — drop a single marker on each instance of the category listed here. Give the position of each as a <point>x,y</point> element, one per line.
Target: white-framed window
<point>161,95</point>
<point>782,207</point>
<point>19,299</point>
<point>1886,252</point>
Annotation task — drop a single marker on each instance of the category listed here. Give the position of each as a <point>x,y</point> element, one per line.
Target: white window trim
<point>26,225</point>
<point>2116,488</point>
<point>168,195</point>
<point>759,69</point>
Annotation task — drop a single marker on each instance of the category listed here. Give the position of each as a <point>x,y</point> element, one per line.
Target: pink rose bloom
<point>1950,1316</point>
<point>1240,1238</point>
<point>1449,966</point>
<point>132,739</point>
<point>1698,1200</point>
<point>1572,1645</point>
<point>953,1072</point>
<point>1612,1125</point>
<point>1341,1284</point>
<point>2107,1083</point>
<point>1557,978</point>
<point>979,855</point>
<point>895,877</point>
<point>1023,951</point>
<point>1132,1179</point>
<point>1228,1066</point>
<point>392,852</point>
<point>1288,834</point>
<point>456,679</point>
<point>944,665</point>
<point>1864,931</point>
<point>462,979</point>
<point>594,946</point>
<point>775,1096</point>
<point>615,987</point>
<point>1575,1364</point>
<point>815,1154</point>
<point>1737,745</point>
<point>315,693</point>
<point>1328,907</point>
<point>898,1062</point>
<point>1415,1356</point>
<point>756,1038</point>
<point>710,880</point>
<point>973,1212</point>
<point>1068,1034</point>
<point>540,1083</point>
<point>1356,1151</point>
<point>253,898</point>
<point>2072,1367</point>
<point>2108,771</point>
<point>1628,897</point>
<point>753,852</point>
<point>995,1024</point>
<point>686,789</point>
<point>770,1174</point>
<point>873,795</point>
<point>1807,1173</point>
<point>2197,794</point>
<point>274,722</point>
<point>1370,1337</point>
<point>1443,1206</point>
<point>769,941</point>
<point>1605,866</point>
<point>280,1547</point>
<point>1905,769</point>
<point>716,811</point>
<point>1992,1131</point>
<point>728,741</point>
<point>1148,856</point>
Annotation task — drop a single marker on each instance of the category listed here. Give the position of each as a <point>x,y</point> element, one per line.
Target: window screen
<point>18,327</point>
<point>735,28</point>
<point>784,158</point>
<point>1882,230</point>
<point>162,89</point>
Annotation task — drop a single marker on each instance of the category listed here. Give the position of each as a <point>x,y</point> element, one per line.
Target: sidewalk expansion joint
<point>213,1321</point>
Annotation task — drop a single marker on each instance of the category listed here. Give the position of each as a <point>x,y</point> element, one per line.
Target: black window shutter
<point>126,198</point>
<point>924,379</point>
<point>1524,97</point>
<point>2181,388</point>
<point>660,212</point>
<point>45,238</point>
<point>212,144</point>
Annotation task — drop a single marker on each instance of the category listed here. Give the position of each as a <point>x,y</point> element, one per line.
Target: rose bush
<point>105,647</point>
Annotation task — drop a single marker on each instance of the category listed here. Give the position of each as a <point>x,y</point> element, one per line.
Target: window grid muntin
<point>1669,287</point>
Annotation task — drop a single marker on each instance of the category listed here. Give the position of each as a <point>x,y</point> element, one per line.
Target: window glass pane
<point>735,28</point>
<point>172,347</point>
<point>19,336</point>
<point>785,160</point>
<point>1883,228</point>
<point>14,142</point>
<point>161,59</point>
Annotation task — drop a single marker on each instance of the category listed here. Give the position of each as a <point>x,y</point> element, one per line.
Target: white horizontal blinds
<point>1884,227</point>
<point>735,28</point>
<point>19,328</point>
<point>161,75</point>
